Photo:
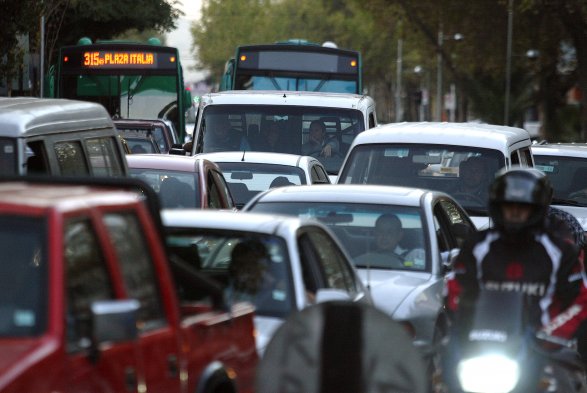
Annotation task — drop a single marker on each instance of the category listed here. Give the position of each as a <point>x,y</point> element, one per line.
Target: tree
<point>16,18</point>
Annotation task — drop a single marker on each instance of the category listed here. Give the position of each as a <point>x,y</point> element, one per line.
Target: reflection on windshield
<point>252,268</point>
<point>282,129</point>
<point>463,172</point>
<point>568,176</point>
<point>23,276</point>
<point>376,236</point>
<point>246,179</point>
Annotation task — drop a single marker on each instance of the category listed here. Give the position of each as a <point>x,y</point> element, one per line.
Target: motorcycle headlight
<point>488,374</point>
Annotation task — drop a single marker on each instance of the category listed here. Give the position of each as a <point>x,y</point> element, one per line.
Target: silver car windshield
<point>376,236</point>
<point>23,276</point>
<point>568,176</point>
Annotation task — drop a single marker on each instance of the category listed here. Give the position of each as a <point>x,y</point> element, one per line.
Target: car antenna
<point>243,157</point>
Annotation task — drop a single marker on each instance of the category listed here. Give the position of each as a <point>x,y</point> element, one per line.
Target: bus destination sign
<point>116,59</point>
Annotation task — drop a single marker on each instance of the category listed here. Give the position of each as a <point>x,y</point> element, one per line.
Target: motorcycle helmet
<point>527,186</point>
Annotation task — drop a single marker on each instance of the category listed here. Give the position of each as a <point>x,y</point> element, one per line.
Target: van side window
<point>70,157</point>
<point>515,159</point>
<point>526,157</point>
<point>103,157</point>
<point>8,157</point>
<point>371,120</point>
<point>36,163</point>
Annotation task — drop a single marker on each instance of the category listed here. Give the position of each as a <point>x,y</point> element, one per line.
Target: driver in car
<point>319,145</point>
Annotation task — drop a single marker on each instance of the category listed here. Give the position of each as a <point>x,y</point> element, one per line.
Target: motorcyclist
<point>520,253</point>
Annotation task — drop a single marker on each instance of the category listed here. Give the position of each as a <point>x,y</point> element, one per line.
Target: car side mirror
<point>448,258</point>
<point>331,294</point>
<point>113,321</point>
<point>177,149</point>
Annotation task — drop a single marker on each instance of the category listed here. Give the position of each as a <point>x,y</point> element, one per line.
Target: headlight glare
<point>488,374</point>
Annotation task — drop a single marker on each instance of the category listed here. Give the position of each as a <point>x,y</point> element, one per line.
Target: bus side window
<point>36,164</point>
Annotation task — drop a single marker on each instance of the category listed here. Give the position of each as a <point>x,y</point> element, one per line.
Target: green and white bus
<point>132,80</point>
<point>294,65</point>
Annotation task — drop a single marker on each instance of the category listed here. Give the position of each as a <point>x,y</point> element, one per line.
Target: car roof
<point>485,135</point>
<point>561,149</point>
<point>142,123</point>
<point>257,157</point>
<point>279,97</point>
<point>346,193</point>
<point>61,197</point>
<point>28,116</point>
<point>165,161</point>
<point>228,220</point>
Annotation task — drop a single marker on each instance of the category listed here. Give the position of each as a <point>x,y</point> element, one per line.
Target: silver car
<point>279,264</point>
<point>402,241</point>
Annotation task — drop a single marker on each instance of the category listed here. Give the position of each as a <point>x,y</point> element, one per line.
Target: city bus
<point>131,80</point>
<point>294,65</point>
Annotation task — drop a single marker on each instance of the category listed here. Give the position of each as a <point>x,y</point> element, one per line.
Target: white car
<point>406,282</point>
<point>302,263</point>
<point>431,155</point>
<point>565,164</point>
<point>249,173</point>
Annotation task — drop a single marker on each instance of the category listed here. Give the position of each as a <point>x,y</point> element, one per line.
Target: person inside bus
<point>220,136</point>
<point>319,145</point>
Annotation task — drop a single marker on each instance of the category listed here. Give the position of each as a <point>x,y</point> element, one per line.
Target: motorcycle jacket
<point>546,268</point>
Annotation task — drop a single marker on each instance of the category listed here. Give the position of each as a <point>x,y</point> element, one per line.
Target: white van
<point>253,113</point>
<point>58,137</point>
<point>436,156</point>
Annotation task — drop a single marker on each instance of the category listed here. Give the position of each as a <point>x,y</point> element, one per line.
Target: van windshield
<point>23,276</point>
<point>324,133</point>
<point>464,172</point>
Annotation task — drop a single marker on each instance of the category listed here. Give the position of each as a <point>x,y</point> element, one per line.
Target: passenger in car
<point>220,136</point>
<point>318,144</point>
<point>473,178</point>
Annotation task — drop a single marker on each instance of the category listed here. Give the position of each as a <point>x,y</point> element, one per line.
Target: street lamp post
<point>439,59</point>
<point>508,64</point>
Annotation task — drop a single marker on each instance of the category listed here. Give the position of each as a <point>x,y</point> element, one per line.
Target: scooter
<point>499,353</point>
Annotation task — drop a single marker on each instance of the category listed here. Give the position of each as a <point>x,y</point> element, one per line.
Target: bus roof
<point>299,45</point>
<point>290,98</point>
<point>27,116</point>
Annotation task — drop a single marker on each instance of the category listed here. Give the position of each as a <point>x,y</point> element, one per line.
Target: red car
<point>182,181</point>
<point>89,300</point>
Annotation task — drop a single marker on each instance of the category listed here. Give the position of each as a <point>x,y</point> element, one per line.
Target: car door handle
<point>172,366</point>
<point>130,379</point>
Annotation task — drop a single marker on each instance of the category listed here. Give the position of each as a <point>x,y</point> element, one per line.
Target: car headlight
<point>488,374</point>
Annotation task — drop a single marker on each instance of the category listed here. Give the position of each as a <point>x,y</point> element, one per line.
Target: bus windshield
<point>137,81</point>
<point>294,66</point>
<point>282,129</point>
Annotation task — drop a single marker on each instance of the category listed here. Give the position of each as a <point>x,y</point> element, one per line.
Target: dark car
<point>139,134</point>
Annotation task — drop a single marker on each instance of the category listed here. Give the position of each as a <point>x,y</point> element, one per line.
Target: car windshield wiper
<point>566,202</point>
<point>476,211</point>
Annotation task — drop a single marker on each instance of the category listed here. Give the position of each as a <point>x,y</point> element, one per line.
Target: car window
<point>103,156</point>
<point>23,276</point>
<point>175,189</point>
<point>87,279</point>
<point>319,175</point>
<point>514,158</point>
<point>568,176</point>
<point>354,224</point>
<point>458,226</point>
<point>132,251</point>
<point>227,257</point>
<point>214,193</point>
<point>435,167</point>
<point>223,189</point>
<point>71,159</point>
<point>331,262</point>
